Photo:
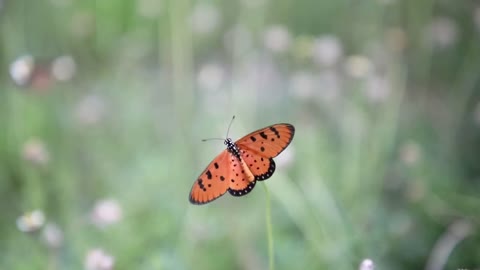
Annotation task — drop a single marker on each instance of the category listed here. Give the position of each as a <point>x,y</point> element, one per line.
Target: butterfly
<point>244,162</point>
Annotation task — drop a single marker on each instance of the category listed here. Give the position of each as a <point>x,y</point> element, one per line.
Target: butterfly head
<point>232,147</point>
<point>228,141</point>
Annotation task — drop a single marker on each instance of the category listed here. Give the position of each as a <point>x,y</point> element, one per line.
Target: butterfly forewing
<point>269,141</point>
<point>212,183</point>
<point>224,173</point>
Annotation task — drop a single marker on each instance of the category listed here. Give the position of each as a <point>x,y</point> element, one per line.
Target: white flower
<point>378,89</point>
<point>323,87</point>
<point>410,153</point>
<point>149,8</point>
<point>238,39</point>
<point>277,38</point>
<point>210,76</point>
<point>358,66</point>
<point>35,151</point>
<point>97,259</point>
<point>82,24</point>
<point>90,110</point>
<point>106,212</point>
<point>286,158</point>
<point>396,39</point>
<point>443,32</point>
<point>254,3</point>
<point>476,114</point>
<point>476,17</point>
<point>302,85</point>
<point>366,264</point>
<point>64,68</point>
<point>52,235</point>
<point>328,86</point>
<point>327,50</point>
<point>31,221</point>
<point>205,18</point>
<point>21,69</point>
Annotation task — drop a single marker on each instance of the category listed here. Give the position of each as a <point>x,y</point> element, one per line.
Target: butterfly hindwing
<point>240,184</point>
<point>261,167</point>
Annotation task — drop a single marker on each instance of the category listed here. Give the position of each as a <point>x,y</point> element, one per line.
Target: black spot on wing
<point>262,149</point>
<point>242,192</point>
<point>216,165</point>
<point>209,174</point>
<point>253,138</point>
<point>274,130</point>
<point>269,173</point>
<point>201,185</point>
<point>263,135</point>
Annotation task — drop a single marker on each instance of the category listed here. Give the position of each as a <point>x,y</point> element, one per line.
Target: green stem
<point>268,217</point>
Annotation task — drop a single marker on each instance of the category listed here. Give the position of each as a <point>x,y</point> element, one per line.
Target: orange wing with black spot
<point>224,173</point>
<point>237,170</point>
<point>260,147</point>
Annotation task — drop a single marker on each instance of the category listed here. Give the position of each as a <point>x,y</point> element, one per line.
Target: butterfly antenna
<point>228,129</point>
<point>212,139</point>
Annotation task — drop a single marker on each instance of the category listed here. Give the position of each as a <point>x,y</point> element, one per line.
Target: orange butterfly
<point>237,168</point>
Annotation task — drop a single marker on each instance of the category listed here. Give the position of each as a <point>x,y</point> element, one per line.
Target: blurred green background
<point>103,105</point>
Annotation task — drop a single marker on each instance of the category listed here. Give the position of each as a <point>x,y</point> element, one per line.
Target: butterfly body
<point>237,168</point>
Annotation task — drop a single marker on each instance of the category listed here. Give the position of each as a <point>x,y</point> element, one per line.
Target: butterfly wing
<point>260,147</point>
<point>213,181</point>
<point>224,173</point>
<point>239,181</point>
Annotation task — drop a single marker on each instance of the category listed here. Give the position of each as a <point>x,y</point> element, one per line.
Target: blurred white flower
<point>210,77</point>
<point>328,86</point>
<point>396,39</point>
<point>98,259</point>
<point>476,17</point>
<point>35,151</point>
<point>90,110</point>
<point>378,89</point>
<point>149,8</point>
<point>302,85</point>
<point>286,158</point>
<point>254,3</point>
<point>31,221</point>
<point>106,212</point>
<point>442,32</point>
<point>62,3</point>
<point>366,264</point>
<point>64,68</point>
<point>205,18</point>
<point>358,66</point>
<point>476,114</point>
<point>410,153</point>
<point>307,86</point>
<point>238,39</point>
<point>52,235</point>
<point>327,50</point>
<point>277,38</point>
<point>21,69</point>
<point>82,24</point>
